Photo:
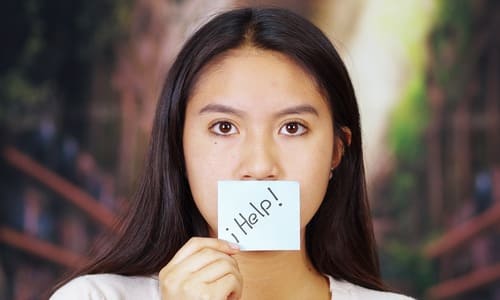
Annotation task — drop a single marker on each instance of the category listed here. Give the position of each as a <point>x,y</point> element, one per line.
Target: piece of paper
<point>259,215</point>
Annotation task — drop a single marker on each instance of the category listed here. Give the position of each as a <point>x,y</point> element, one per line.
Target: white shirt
<point>119,287</point>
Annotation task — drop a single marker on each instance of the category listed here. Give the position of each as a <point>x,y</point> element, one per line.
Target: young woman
<point>255,94</point>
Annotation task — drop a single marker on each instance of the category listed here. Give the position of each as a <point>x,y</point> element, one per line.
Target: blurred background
<point>78,87</point>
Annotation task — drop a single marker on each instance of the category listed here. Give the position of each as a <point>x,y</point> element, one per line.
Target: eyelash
<point>303,129</point>
<point>213,128</point>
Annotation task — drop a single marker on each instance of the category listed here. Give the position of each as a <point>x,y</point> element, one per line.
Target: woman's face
<point>256,115</point>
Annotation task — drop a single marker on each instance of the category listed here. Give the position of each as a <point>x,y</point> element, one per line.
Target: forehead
<point>256,73</point>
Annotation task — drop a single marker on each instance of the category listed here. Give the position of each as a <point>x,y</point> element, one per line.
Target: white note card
<point>259,215</point>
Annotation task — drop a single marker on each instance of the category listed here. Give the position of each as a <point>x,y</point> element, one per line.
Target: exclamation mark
<point>235,238</point>
<point>269,189</point>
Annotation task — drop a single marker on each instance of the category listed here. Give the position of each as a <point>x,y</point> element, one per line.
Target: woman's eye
<point>224,128</point>
<point>293,128</point>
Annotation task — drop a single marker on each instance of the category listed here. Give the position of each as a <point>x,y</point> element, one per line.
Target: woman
<point>255,94</point>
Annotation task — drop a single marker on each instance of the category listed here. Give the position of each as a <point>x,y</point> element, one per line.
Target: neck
<point>280,275</point>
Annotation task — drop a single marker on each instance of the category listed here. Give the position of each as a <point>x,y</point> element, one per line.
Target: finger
<point>215,271</point>
<point>197,243</point>
<point>203,258</point>
<point>228,286</point>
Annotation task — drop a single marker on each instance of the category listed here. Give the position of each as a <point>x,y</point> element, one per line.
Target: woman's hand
<point>202,269</point>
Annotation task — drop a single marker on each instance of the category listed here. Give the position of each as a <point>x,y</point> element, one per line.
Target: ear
<point>339,146</point>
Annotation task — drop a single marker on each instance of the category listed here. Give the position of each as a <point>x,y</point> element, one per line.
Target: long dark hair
<point>163,216</point>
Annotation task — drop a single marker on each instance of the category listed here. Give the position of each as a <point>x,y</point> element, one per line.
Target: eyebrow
<point>297,110</point>
<point>221,108</point>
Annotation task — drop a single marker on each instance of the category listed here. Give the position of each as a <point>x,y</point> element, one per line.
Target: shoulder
<point>347,290</point>
<point>364,293</point>
<point>108,286</point>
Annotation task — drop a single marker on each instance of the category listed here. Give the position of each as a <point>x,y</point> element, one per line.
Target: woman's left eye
<point>293,128</point>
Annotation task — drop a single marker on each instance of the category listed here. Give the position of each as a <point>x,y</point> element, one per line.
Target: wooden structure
<point>464,153</point>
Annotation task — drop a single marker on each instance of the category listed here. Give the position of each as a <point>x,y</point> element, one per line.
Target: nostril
<point>259,178</point>
<point>259,163</point>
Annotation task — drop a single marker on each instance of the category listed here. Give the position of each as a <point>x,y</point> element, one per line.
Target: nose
<point>259,160</point>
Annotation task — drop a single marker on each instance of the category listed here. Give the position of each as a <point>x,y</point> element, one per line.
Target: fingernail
<point>233,246</point>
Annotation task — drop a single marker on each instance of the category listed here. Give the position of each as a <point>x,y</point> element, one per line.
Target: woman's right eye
<point>223,128</point>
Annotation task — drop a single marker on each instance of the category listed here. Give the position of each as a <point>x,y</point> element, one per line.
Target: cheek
<point>313,187</point>
<point>312,195</point>
<point>312,171</point>
<point>205,166</point>
<point>203,189</point>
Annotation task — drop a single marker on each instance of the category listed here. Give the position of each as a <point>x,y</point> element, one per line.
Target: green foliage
<point>50,50</point>
<point>21,99</point>
<point>402,188</point>
<point>402,264</point>
<point>450,41</point>
<point>454,18</point>
<point>406,265</point>
<point>408,22</point>
<point>409,119</point>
